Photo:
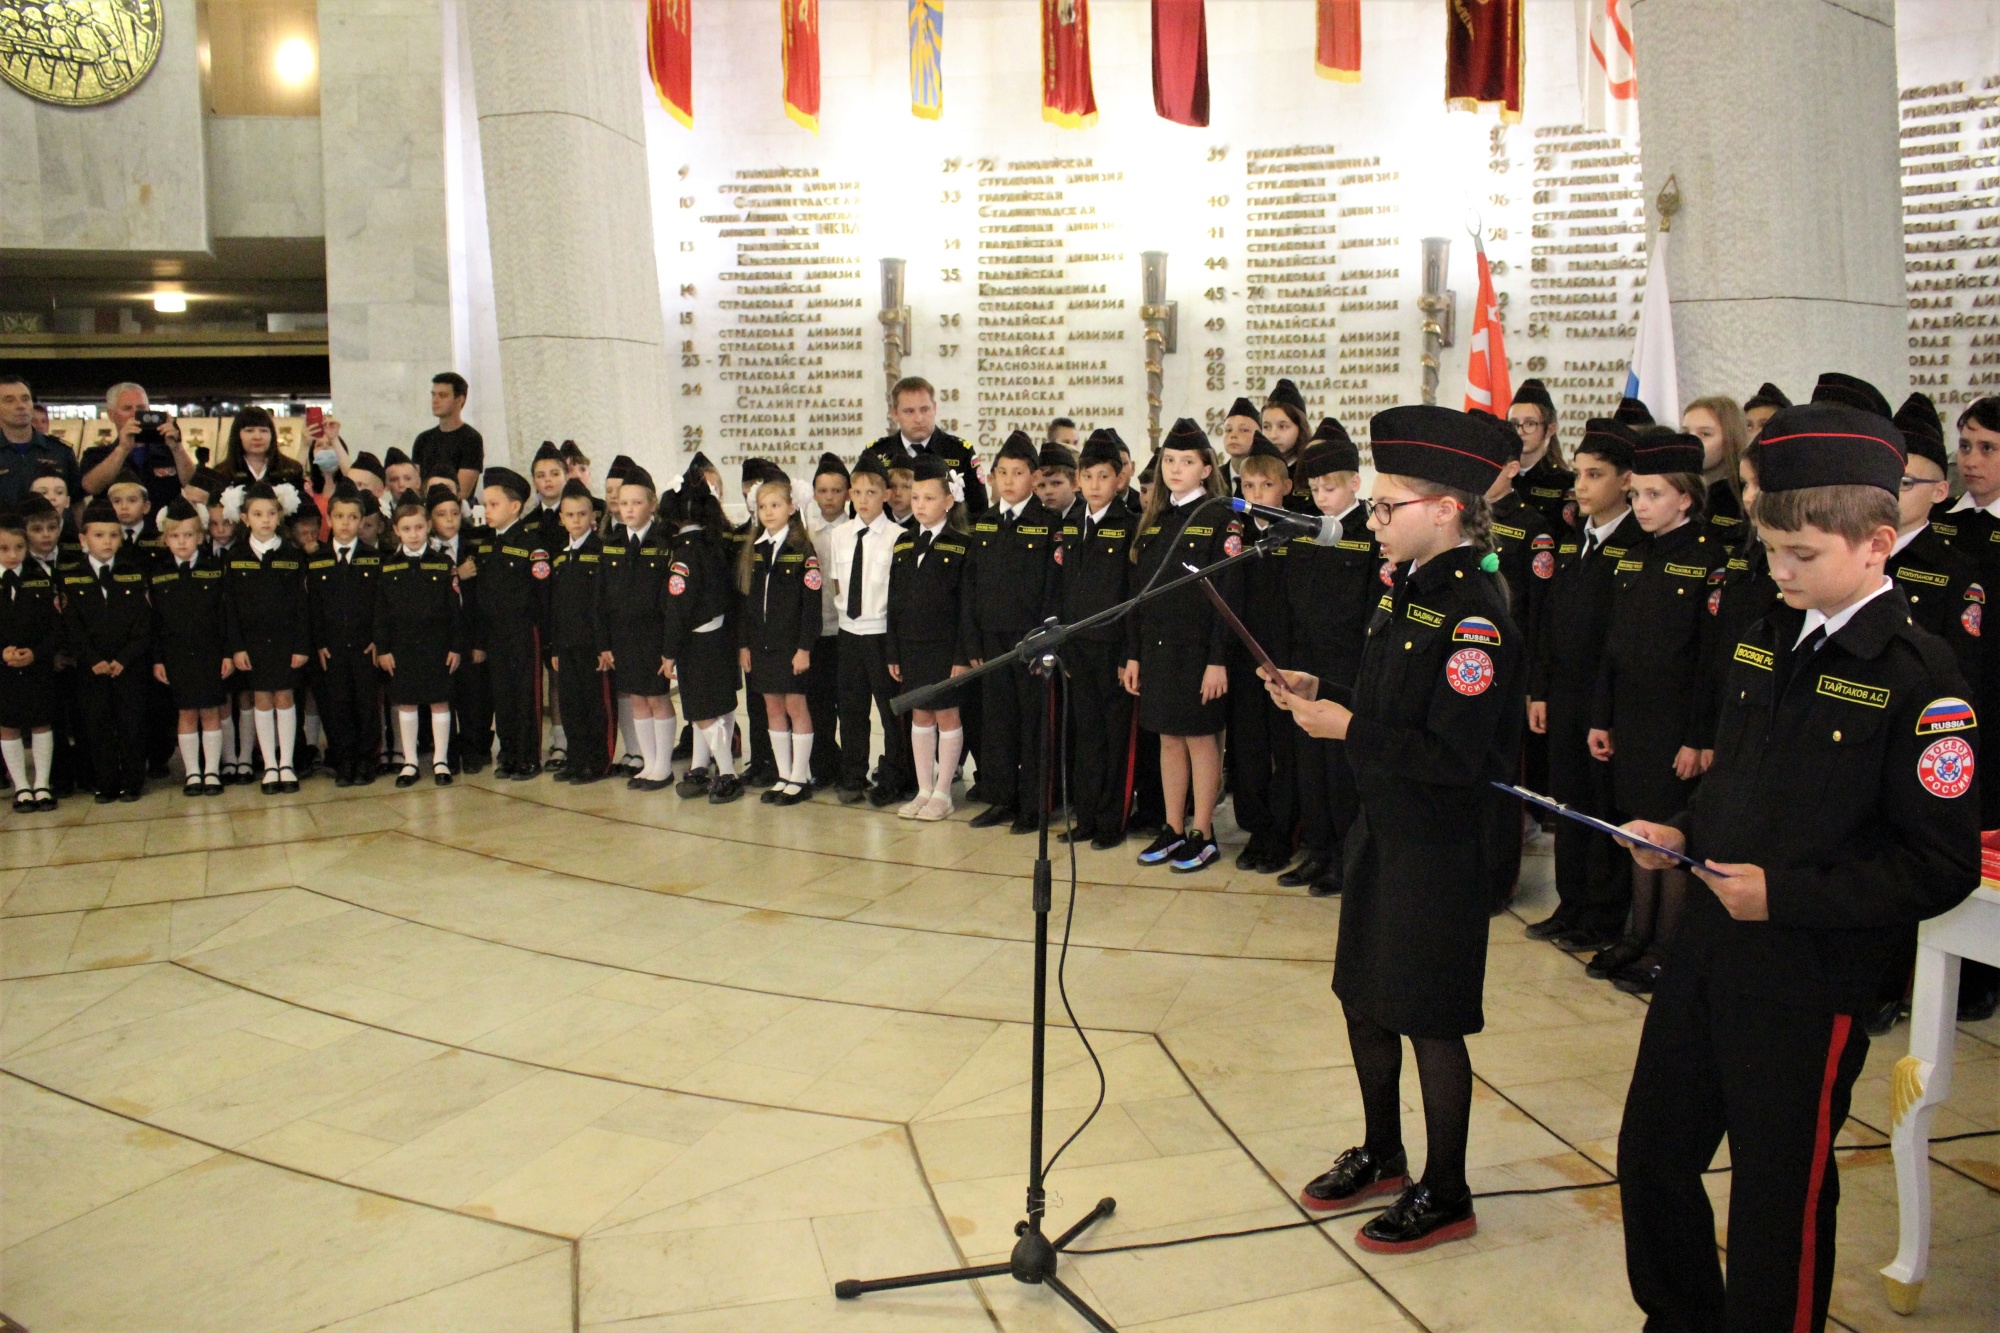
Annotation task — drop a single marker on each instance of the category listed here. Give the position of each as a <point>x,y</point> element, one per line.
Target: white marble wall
<point>382,168</point>
<point>1778,118</point>
<point>125,175</point>
<point>569,219</point>
<point>264,176</point>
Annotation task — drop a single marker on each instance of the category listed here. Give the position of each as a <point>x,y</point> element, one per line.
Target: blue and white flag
<point>1652,378</point>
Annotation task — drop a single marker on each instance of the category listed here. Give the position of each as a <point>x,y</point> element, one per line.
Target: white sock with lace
<point>699,758</point>
<point>719,747</point>
<point>211,753</point>
<point>802,753</point>
<point>923,748</point>
<point>781,752</point>
<point>406,731</point>
<point>190,743</point>
<point>950,745</point>
<point>441,737</point>
<point>663,747</point>
<point>42,745</point>
<point>288,734</point>
<point>267,738</point>
<point>17,763</point>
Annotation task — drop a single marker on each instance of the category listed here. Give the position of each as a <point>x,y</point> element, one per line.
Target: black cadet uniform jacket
<point>1191,534</point>
<point>889,451</point>
<point>1740,592</point>
<point>340,599</point>
<point>701,585</point>
<point>265,603</point>
<point>1848,777</point>
<point>473,539</point>
<point>781,612</point>
<point>29,619</point>
<point>188,629</point>
<point>514,569</point>
<point>1725,514</point>
<point>1526,544</point>
<point>635,583</point>
<point>1333,592</point>
<point>924,596</point>
<point>1576,615</point>
<point>418,610</point>
<point>1975,534</point>
<point>107,624</point>
<point>576,621</point>
<point>1550,489</point>
<point>1010,576</point>
<point>1437,716</point>
<point>1946,597</point>
<point>1096,567</point>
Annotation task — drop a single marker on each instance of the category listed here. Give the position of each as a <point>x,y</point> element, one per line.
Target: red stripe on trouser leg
<point>1131,773</point>
<point>610,721</point>
<point>1822,1148</point>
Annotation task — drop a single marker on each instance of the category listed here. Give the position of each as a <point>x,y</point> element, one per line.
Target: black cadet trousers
<point>865,685</point>
<point>1264,791</point>
<point>1100,733</point>
<point>588,721</point>
<point>514,681</point>
<point>1010,765</point>
<point>823,707</point>
<point>349,701</point>
<point>114,716</point>
<point>1776,1081</point>
<point>471,711</point>
<point>1593,876</point>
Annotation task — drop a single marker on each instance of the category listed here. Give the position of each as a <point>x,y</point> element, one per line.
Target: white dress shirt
<point>878,553</point>
<point>1836,622</point>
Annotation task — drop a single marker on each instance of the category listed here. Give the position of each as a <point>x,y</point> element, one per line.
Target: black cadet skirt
<point>422,675</point>
<point>194,679</point>
<point>270,668</point>
<point>635,659</point>
<point>927,664</point>
<point>27,696</point>
<point>771,672</point>
<point>1170,691</point>
<point>708,674</point>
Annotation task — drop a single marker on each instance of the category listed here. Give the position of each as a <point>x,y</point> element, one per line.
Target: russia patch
<point>1974,593</point>
<point>1946,714</point>
<point>1945,768</point>
<point>1544,565</point>
<point>1469,671</point>
<point>1059,553</point>
<point>1543,542</point>
<point>1971,617</point>
<point>1475,629</point>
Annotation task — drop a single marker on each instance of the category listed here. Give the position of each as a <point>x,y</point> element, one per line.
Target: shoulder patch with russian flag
<point>1475,629</point>
<point>1946,714</point>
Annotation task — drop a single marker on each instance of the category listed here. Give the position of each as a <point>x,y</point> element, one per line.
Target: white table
<point>1922,1079</point>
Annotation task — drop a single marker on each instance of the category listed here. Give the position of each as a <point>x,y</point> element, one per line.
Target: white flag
<point>1652,378</point>
<point>1607,73</point>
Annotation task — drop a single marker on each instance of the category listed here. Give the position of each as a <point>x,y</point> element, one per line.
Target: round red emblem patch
<point>676,585</point>
<point>1545,565</point>
<point>1715,601</point>
<point>1945,768</point>
<point>812,579</point>
<point>1059,553</point>
<point>1971,617</point>
<point>1470,671</point>
<point>539,564</point>
<point>1388,573</point>
<point>1232,545</point>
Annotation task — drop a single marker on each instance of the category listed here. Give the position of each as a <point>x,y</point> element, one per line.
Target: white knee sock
<point>441,737</point>
<point>245,736</point>
<point>43,746</point>
<point>802,753</point>
<point>17,763</point>
<point>406,730</point>
<point>663,747</point>
<point>211,753</point>
<point>190,755</point>
<point>288,730</point>
<point>719,747</point>
<point>699,759</point>
<point>557,741</point>
<point>267,737</point>
<point>642,733</point>
<point>950,744</point>
<point>781,751</point>
<point>924,748</point>
<point>627,727</point>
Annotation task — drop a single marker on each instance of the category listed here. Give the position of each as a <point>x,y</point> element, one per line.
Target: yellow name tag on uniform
<point>1423,615</point>
<point>952,547</point>
<point>1615,551</point>
<point>904,546</point>
<point>1751,655</point>
<point>1502,530</point>
<point>986,527</point>
<point>1945,529</point>
<point>1875,696</point>
<point>1922,576</point>
<point>614,550</point>
<point>1351,546</point>
<point>1723,520</point>
<point>1198,532</point>
<point>791,557</point>
<point>1688,571</point>
<point>1627,566</point>
<point>1387,603</point>
<point>128,578</point>
<point>1033,532</point>
<point>516,552</point>
<point>1110,533</point>
<point>320,564</point>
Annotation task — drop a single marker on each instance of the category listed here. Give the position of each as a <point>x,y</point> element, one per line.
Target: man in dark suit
<point>917,434</point>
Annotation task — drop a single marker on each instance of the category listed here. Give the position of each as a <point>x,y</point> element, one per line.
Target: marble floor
<point>516,1056</point>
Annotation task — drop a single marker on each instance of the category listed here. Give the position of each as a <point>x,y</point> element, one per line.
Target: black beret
<point>406,499</point>
<point>179,510</point>
<point>344,489</point>
<point>210,483</point>
<point>366,462</point>
<point>871,465</point>
<point>99,511</point>
<point>1329,429</point>
<point>1056,455</point>
<point>1436,444</point>
<point>1923,431</point>
<point>1243,407</point>
<point>1019,446</point>
<point>395,456</point>
<point>439,495</point>
<point>1767,395</point>
<point>634,475</point>
<point>1109,435</point>
<point>829,462</point>
<point>758,469</point>
<point>548,453</point>
<point>1284,391</point>
<point>1329,455</point>
<point>508,480</point>
<point>1261,447</point>
<point>1186,435</point>
<point>34,506</point>
<point>574,489</point>
<point>700,463</point>
<point>1610,439</point>
<point>570,452</point>
<point>1829,444</point>
<point>1633,412</point>
<point>1834,387</point>
<point>1659,450</point>
<point>929,467</point>
<point>1099,450</point>
<point>620,466</point>
<point>1537,393</point>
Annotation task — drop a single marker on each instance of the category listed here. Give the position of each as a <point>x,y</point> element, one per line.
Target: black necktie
<point>854,576</point>
<point>923,544</point>
<point>104,580</point>
<point>11,580</point>
<point>1008,521</point>
<point>1590,544</point>
<point>1804,653</point>
<point>344,555</point>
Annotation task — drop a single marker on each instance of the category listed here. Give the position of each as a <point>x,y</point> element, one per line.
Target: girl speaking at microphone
<point>1435,718</point>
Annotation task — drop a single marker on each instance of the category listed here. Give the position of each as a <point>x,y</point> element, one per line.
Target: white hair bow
<point>957,485</point>
<point>232,503</point>
<point>288,497</point>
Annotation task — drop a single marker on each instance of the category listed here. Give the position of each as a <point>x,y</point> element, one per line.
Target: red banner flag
<point>801,28</point>
<point>1485,56</point>
<point>670,56</point>
<point>1337,55</point>
<point>1180,61</point>
<point>1486,385</point>
<point>1067,98</point>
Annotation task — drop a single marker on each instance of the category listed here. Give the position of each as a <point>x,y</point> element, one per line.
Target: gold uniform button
<point>1408,644</point>
<point>1836,735</point>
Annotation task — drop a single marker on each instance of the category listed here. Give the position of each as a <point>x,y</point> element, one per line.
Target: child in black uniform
<point>419,637</point>
<point>699,602</point>
<point>580,649</point>
<point>1176,647</point>
<point>514,574</point>
<point>1840,810</point>
<point>636,557</point>
<point>1435,719</point>
<point>779,578</point>
<point>189,656</point>
<point>1262,755</point>
<point>1646,718</point>
<point>460,543</point>
<point>30,634</point>
<point>107,632</point>
<point>267,629</point>
<point>924,616</point>
<point>340,605</point>
<point>1096,574</point>
<point>864,548</point>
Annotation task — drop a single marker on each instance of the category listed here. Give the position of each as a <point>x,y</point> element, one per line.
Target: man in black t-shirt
<point>451,448</point>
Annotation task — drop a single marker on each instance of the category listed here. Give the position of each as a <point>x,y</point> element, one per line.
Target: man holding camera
<point>24,447</point>
<point>148,443</point>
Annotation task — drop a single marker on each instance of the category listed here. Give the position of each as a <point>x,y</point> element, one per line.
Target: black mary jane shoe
<point>24,802</point>
<point>211,784</point>
<point>725,788</point>
<point>1355,1175</point>
<point>648,784</point>
<point>1304,873</point>
<point>796,796</point>
<point>271,784</point>
<point>1639,978</point>
<point>408,777</point>
<point>695,782</point>
<point>441,774</point>
<point>288,780</point>
<point>191,788</point>
<point>1417,1221</point>
<point>1606,963</point>
<point>45,800</point>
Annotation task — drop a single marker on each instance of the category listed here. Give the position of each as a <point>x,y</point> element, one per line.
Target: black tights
<point>1444,1071</point>
<point>1657,899</point>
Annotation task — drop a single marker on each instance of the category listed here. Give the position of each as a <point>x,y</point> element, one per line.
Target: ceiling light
<point>295,61</point>
<point>169,302</point>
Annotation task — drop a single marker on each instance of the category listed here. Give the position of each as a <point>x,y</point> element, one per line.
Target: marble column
<point>1778,119</point>
<point>570,224</point>
<point>383,181</point>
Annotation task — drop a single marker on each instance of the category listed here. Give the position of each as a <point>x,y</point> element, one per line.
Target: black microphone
<point>1324,531</point>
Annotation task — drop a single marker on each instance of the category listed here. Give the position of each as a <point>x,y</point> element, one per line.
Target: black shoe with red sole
<point>1417,1221</point>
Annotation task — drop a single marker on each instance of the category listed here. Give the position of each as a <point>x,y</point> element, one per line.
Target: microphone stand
<point>1034,1256</point>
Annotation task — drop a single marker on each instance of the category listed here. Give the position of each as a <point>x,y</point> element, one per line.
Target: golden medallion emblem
<point>79,52</point>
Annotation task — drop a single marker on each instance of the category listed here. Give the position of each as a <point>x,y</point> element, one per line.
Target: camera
<point>150,420</point>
